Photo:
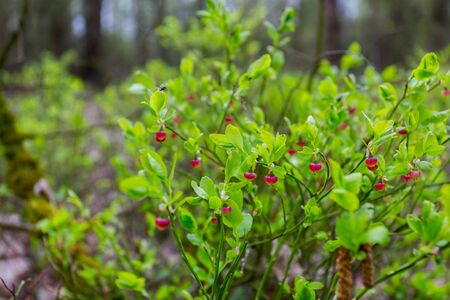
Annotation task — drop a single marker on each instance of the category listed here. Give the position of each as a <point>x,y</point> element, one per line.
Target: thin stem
<point>218,259</point>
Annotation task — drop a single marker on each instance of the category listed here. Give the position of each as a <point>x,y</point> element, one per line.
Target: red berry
<point>315,167</point>
<point>291,151</point>
<point>414,174</point>
<point>228,120</point>
<point>445,92</point>
<point>270,179</point>
<point>196,163</point>
<point>372,168</point>
<point>380,186</point>
<point>226,210</point>
<point>191,98</point>
<point>406,178</point>
<point>214,220</point>
<point>162,223</point>
<point>177,119</point>
<point>342,126</point>
<point>352,110</point>
<point>160,136</point>
<point>403,131</point>
<point>249,175</point>
<point>371,162</point>
<point>301,143</point>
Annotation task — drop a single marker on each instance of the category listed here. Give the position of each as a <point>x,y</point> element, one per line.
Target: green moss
<point>23,170</point>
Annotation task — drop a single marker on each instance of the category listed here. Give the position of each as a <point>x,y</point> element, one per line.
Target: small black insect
<point>162,88</point>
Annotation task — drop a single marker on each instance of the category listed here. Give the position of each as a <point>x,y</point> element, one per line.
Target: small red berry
<point>228,120</point>
<point>351,110</point>
<point>249,175</point>
<point>160,136</point>
<point>191,98</point>
<point>173,135</point>
<point>177,119</point>
<point>315,167</point>
<point>162,223</point>
<point>373,167</point>
<point>380,186</point>
<point>445,92</point>
<point>214,220</point>
<point>226,210</point>
<point>291,151</point>
<point>403,131</point>
<point>342,126</point>
<point>406,178</point>
<point>371,161</point>
<point>300,143</point>
<point>414,174</point>
<point>196,163</point>
<point>270,179</point>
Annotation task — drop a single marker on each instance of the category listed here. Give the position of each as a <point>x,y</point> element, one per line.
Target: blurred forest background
<point>67,68</point>
<point>112,36</point>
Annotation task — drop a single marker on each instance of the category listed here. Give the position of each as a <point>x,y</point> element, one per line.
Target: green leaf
<point>194,239</point>
<point>198,190</point>
<point>353,182</point>
<point>221,140</point>
<point>303,290</point>
<point>129,281</point>
<point>155,164</point>
<point>377,234</point>
<point>187,220</point>
<point>245,226</point>
<point>382,126</point>
<point>260,67</point>
<point>429,65</point>
<point>208,186</point>
<point>350,228</point>
<point>158,101</point>
<point>186,66</point>
<point>327,88</point>
<point>232,166</point>
<point>387,92</point>
<point>234,136</point>
<point>234,218</point>
<point>215,203</point>
<point>415,224</point>
<point>136,187</point>
<point>345,199</point>
<point>337,174</point>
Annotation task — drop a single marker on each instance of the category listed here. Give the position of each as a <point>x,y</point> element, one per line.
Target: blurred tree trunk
<point>159,15</point>
<point>440,19</point>
<point>201,4</point>
<point>142,31</point>
<point>60,23</point>
<point>332,29</point>
<point>93,36</point>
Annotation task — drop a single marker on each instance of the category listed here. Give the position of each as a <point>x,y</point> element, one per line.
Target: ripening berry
<point>315,167</point>
<point>300,143</point>
<point>403,131</point>
<point>371,161</point>
<point>270,179</point>
<point>445,92</point>
<point>414,174</point>
<point>173,135</point>
<point>291,151</point>
<point>228,119</point>
<point>342,126</point>
<point>372,168</point>
<point>213,220</point>
<point>406,178</point>
<point>162,223</point>
<point>191,98</point>
<point>352,110</point>
<point>160,136</point>
<point>380,186</point>
<point>196,163</point>
<point>177,119</point>
<point>249,175</point>
<point>226,210</point>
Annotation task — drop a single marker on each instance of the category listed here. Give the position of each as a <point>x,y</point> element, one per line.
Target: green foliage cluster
<point>237,116</point>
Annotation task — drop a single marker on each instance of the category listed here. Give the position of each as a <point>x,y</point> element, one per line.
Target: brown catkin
<point>367,266</point>
<point>343,267</point>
